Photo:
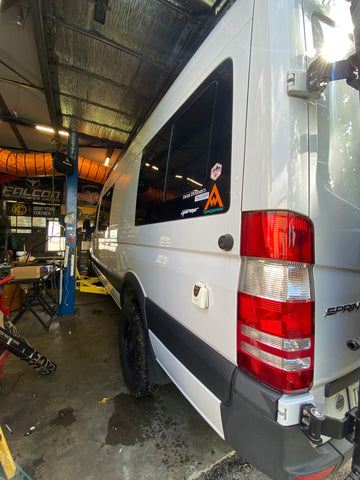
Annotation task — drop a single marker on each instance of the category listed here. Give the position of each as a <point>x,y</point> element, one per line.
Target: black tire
<point>133,345</point>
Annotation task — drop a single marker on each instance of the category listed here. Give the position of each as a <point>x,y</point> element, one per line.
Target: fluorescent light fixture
<point>51,130</point>
<point>107,160</point>
<point>147,164</point>
<point>154,167</point>
<point>44,129</point>
<point>179,176</point>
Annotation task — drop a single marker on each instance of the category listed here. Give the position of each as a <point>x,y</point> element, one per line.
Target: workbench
<point>39,292</point>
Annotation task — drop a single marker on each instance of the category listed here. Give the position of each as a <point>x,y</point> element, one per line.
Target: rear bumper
<point>284,453</point>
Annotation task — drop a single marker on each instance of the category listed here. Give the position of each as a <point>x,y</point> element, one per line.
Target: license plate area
<point>338,404</point>
<point>353,394</point>
<point>330,420</point>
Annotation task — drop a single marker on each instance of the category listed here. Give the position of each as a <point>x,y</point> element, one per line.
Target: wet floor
<point>80,423</point>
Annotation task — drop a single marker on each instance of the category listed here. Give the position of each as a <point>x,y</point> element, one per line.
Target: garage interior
<point>89,71</point>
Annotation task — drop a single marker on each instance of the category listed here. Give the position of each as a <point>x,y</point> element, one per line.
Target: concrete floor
<point>80,423</point>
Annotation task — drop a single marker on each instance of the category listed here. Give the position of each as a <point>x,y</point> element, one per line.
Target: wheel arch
<point>132,290</point>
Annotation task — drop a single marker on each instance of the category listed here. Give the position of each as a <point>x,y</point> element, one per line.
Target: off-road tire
<point>133,345</point>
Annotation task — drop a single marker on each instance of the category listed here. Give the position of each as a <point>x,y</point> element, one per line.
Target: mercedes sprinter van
<point>229,235</point>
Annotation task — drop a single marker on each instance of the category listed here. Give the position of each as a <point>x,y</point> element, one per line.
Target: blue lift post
<point>67,306</point>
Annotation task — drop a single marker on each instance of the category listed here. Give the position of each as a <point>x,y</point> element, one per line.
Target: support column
<point>67,306</point>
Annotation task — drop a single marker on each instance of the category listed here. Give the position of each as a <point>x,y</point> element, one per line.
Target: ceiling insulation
<point>97,67</point>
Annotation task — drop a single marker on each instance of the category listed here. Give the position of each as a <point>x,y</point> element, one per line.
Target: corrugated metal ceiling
<point>93,66</point>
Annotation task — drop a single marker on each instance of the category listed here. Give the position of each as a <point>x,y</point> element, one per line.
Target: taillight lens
<point>275,305</point>
<point>281,235</point>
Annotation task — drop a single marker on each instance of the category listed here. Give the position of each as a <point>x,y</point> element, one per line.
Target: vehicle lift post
<point>67,306</point>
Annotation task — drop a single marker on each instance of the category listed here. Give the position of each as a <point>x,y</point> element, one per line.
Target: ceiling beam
<point>95,76</point>
<point>20,84</point>
<point>95,104</point>
<point>101,142</point>
<point>6,65</point>
<point>183,11</point>
<point>48,79</point>
<point>13,126</point>
<point>93,122</point>
<point>67,95</point>
<point>8,118</point>
<point>98,142</point>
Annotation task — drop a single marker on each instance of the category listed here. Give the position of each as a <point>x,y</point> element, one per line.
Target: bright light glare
<point>337,40</point>
<point>336,44</point>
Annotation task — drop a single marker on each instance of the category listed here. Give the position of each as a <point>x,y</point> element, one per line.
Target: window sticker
<point>216,171</point>
<point>214,200</point>
<point>189,211</point>
<point>202,196</point>
<point>194,193</point>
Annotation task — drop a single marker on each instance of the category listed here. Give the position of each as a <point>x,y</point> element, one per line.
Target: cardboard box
<point>29,271</point>
<point>14,295</point>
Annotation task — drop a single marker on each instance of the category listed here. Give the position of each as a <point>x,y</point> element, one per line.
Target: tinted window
<point>185,168</point>
<point>190,145</point>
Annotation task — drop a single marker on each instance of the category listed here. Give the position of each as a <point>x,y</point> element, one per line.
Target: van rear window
<point>185,168</point>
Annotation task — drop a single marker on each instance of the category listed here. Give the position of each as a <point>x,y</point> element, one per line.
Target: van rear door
<point>334,145</point>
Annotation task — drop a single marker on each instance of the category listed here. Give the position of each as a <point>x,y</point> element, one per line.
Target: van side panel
<point>173,256</point>
<point>276,158</point>
<point>334,120</point>
<point>170,257</point>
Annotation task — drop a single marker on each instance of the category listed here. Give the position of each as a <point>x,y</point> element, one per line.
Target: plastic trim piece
<point>337,385</point>
<point>284,453</point>
<point>115,279</point>
<point>207,365</point>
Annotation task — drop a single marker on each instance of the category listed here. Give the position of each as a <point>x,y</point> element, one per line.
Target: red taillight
<point>318,476</point>
<point>281,235</point>
<point>275,305</point>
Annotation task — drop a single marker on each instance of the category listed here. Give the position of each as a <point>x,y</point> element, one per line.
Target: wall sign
<point>34,190</point>
<point>20,209</point>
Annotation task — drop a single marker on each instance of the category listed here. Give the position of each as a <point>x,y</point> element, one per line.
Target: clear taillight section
<point>275,302</point>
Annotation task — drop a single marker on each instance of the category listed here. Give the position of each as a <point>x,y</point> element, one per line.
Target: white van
<point>229,235</point>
